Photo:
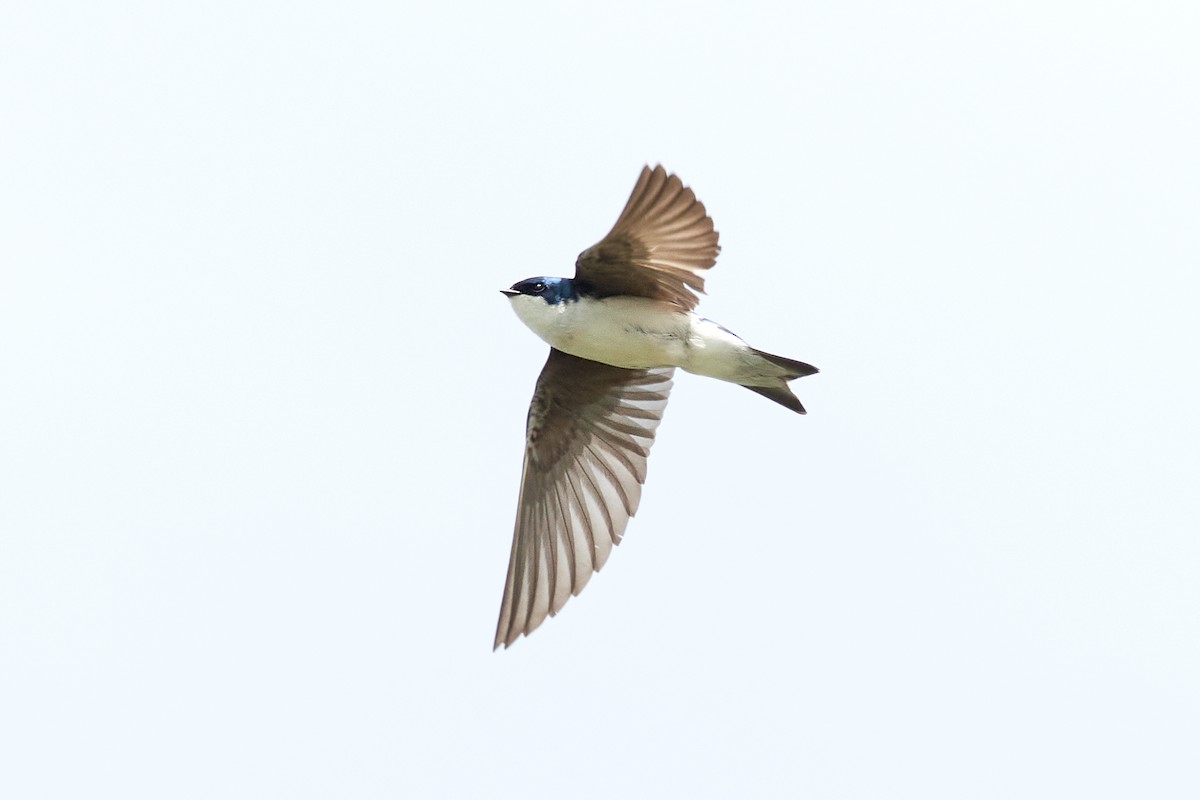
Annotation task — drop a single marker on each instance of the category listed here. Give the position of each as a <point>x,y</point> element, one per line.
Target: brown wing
<point>589,431</point>
<point>659,248</point>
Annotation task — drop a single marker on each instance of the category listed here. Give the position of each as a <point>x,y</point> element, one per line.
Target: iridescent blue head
<point>552,290</point>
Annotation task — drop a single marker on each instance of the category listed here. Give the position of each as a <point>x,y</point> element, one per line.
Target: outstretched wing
<point>588,434</point>
<point>660,246</point>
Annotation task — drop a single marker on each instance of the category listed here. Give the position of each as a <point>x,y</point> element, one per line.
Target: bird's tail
<point>787,370</point>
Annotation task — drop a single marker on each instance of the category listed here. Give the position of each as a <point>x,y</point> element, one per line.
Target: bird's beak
<point>509,292</point>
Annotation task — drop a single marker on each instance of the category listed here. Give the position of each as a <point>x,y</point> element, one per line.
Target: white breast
<point>630,332</point>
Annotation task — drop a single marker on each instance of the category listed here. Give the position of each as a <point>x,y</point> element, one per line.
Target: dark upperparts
<point>553,290</point>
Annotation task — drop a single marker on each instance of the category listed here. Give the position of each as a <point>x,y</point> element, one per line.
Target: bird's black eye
<point>539,287</point>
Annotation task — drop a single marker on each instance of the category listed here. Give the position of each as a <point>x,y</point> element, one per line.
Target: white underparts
<point>638,333</point>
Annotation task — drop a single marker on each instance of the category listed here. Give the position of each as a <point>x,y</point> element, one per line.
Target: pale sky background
<point>263,407</point>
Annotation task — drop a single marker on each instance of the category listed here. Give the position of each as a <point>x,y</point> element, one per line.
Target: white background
<point>262,407</point>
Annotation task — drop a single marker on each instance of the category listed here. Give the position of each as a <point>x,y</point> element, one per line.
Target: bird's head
<point>552,291</point>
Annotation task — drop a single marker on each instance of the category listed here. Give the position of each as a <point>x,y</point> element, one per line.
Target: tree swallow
<point>616,332</point>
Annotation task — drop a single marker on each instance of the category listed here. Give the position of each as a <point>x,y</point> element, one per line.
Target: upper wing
<point>589,431</point>
<point>659,247</point>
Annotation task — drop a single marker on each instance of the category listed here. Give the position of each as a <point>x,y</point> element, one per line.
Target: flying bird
<point>616,331</point>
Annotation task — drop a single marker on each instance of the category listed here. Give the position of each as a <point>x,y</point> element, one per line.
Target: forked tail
<point>779,391</point>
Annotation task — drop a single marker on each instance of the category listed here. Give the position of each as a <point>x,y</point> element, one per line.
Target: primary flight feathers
<point>660,246</point>
<point>589,431</point>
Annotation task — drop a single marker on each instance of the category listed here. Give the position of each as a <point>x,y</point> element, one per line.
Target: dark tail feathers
<point>782,393</point>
